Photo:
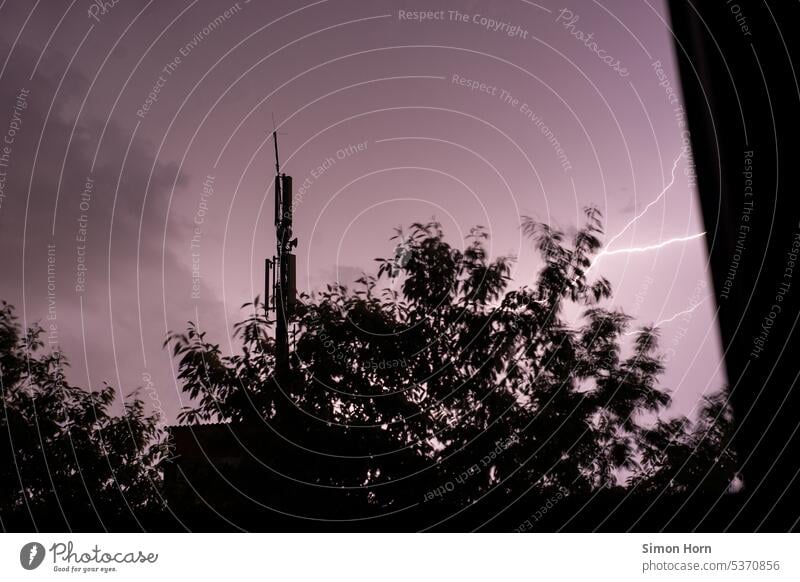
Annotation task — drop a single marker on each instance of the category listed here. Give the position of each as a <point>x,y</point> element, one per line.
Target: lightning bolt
<point>674,317</point>
<point>655,201</point>
<point>652,247</point>
<point>644,249</point>
<point>32,554</point>
<point>633,220</point>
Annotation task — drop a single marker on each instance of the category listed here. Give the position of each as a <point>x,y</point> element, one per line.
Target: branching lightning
<point>632,221</point>
<point>652,247</point>
<point>673,317</point>
<point>661,194</point>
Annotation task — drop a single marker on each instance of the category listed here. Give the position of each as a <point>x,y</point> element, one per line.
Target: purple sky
<point>554,129</point>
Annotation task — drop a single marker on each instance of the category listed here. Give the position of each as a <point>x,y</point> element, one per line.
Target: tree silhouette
<point>678,455</point>
<point>432,389</point>
<point>436,368</point>
<point>66,462</point>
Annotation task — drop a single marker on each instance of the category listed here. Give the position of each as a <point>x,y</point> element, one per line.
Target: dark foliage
<point>433,386</point>
<point>437,369</point>
<point>67,462</point>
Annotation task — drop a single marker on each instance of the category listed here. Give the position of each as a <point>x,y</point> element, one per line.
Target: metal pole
<point>280,266</point>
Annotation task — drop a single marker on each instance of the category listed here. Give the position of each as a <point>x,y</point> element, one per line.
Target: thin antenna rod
<point>275,139</point>
<point>277,163</point>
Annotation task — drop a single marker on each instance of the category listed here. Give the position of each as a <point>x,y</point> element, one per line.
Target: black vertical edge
<point>740,90</point>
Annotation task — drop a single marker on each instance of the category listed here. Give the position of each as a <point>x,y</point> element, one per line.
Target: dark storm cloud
<point>108,241</point>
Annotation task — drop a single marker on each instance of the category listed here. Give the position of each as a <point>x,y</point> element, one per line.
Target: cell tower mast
<point>280,289</point>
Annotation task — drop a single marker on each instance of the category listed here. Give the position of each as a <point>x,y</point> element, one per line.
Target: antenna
<point>281,267</point>
<point>275,140</point>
